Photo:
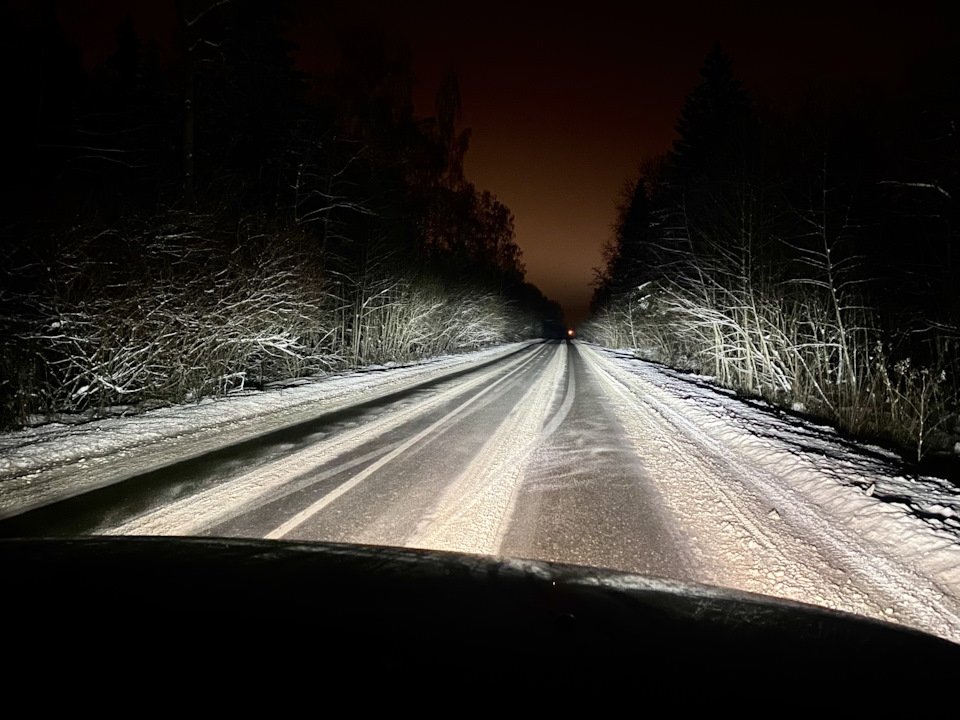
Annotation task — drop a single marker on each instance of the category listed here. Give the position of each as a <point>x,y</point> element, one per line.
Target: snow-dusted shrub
<point>177,307</point>
<point>423,317</point>
<point>184,305</point>
<point>802,341</point>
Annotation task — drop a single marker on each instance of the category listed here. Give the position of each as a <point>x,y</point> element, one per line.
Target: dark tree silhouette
<point>223,227</point>
<point>715,118</point>
<point>804,257</point>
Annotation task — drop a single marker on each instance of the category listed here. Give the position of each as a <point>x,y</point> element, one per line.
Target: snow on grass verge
<point>44,464</point>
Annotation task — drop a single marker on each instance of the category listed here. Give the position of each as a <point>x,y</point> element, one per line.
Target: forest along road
<point>558,451</point>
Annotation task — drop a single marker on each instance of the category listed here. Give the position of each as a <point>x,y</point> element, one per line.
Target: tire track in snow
<point>673,451</point>
<point>45,465</point>
<point>803,553</point>
<point>551,427</point>
<point>193,514</point>
<point>304,515</point>
<point>475,510</point>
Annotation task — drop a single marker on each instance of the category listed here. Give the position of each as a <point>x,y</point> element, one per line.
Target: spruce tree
<point>714,120</point>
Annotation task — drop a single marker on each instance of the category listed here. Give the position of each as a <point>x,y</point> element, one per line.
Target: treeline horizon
<point>175,230</point>
<point>803,255</point>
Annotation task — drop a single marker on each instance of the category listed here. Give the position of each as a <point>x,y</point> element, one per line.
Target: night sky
<point>565,99</point>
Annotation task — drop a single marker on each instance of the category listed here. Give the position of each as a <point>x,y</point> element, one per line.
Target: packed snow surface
<point>747,496</point>
<point>773,504</point>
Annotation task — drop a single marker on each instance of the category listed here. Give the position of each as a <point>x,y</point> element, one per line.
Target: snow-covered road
<point>554,451</point>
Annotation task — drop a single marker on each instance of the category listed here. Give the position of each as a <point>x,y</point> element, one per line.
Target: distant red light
<point>570,333</point>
